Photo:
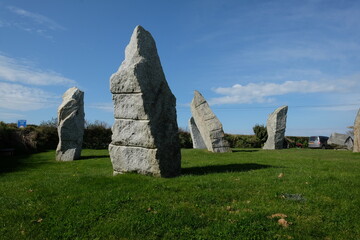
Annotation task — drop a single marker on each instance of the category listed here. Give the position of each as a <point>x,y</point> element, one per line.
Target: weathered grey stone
<point>276,126</point>
<point>70,125</point>
<point>357,133</point>
<point>198,142</point>
<point>145,133</point>
<point>133,133</point>
<point>134,159</point>
<point>124,102</point>
<point>339,140</point>
<point>141,71</point>
<point>208,124</point>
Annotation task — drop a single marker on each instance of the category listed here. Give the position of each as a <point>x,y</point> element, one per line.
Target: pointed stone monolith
<point>357,133</point>
<point>209,125</point>
<point>197,140</point>
<point>71,120</point>
<point>145,132</point>
<point>276,126</point>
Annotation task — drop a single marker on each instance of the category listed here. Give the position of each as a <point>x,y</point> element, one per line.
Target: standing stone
<point>357,133</point>
<point>339,140</point>
<point>209,125</point>
<point>198,142</point>
<point>70,125</point>
<point>145,132</point>
<point>275,126</point>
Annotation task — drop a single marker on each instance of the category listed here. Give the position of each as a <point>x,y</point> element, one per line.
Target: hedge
<point>97,135</point>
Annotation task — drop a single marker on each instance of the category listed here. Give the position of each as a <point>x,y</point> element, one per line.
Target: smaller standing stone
<point>71,120</point>
<point>198,142</point>
<point>275,126</point>
<point>339,140</point>
<point>357,133</point>
<point>209,125</point>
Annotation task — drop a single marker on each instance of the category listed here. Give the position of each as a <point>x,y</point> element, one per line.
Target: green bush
<point>260,133</point>
<point>252,141</point>
<point>185,139</point>
<point>30,139</point>
<point>242,141</point>
<point>47,135</point>
<point>22,140</point>
<point>97,135</point>
<point>6,135</point>
<point>299,142</point>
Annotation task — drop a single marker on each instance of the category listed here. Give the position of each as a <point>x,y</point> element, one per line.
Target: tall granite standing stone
<point>356,147</point>
<point>198,142</point>
<point>276,125</point>
<point>145,132</point>
<point>71,120</point>
<point>209,125</point>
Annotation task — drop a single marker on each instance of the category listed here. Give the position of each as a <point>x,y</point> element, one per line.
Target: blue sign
<point>21,123</point>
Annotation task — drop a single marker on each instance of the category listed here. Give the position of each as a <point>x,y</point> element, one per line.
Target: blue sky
<point>246,57</point>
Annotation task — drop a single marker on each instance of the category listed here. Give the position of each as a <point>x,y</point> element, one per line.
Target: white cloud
<point>37,18</point>
<point>31,22</point>
<point>20,71</point>
<point>342,107</point>
<point>263,92</point>
<point>21,98</point>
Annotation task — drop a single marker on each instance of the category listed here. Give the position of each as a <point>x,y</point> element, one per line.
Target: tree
<point>50,123</point>
<point>185,138</point>
<point>260,133</point>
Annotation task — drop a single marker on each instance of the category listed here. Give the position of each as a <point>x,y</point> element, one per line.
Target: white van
<point>318,142</point>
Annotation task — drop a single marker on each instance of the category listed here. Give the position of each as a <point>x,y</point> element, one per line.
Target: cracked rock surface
<point>145,132</point>
<point>198,142</point>
<point>276,126</point>
<point>208,125</point>
<point>71,120</point>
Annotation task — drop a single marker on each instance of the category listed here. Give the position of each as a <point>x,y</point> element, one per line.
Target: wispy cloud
<point>14,70</point>
<point>107,107</point>
<point>37,18</point>
<point>31,22</point>
<point>18,97</point>
<point>22,86</point>
<point>342,107</point>
<point>264,91</point>
<point>10,116</point>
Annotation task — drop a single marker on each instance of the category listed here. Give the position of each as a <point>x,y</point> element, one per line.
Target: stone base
<point>68,155</point>
<point>222,149</point>
<point>134,159</point>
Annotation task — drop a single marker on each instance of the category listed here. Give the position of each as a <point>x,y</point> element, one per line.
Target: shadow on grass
<point>24,161</point>
<point>18,162</point>
<point>93,157</point>
<point>223,168</point>
<point>235,151</point>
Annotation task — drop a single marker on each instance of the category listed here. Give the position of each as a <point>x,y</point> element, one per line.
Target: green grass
<point>219,196</point>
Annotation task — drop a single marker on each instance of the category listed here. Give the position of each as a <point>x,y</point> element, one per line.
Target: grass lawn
<point>218,196</point>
